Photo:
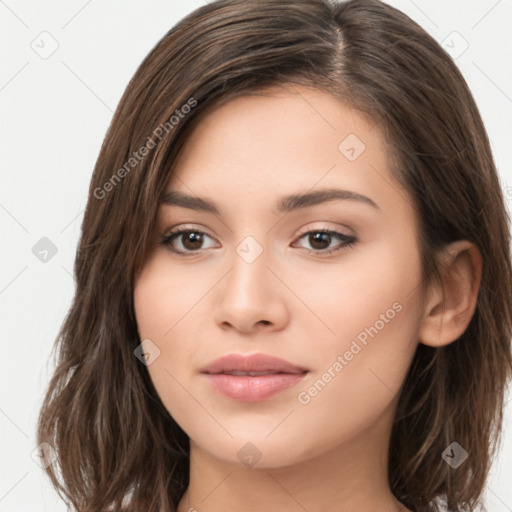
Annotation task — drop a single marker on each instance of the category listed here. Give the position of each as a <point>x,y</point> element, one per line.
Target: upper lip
<point>252,363</point>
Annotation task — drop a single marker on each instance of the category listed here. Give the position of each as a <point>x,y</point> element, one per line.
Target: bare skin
<point>321,445</point>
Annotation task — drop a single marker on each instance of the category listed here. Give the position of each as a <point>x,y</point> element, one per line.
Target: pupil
<point>319,237</point>
<point>193,238</point>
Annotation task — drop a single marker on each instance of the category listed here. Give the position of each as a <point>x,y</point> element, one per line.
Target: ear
<point>449,308</point>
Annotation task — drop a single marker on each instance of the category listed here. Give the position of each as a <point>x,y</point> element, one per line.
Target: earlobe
<point>451,305</point>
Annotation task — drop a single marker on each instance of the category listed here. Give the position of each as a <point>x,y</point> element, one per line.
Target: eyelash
<point>349,241</point>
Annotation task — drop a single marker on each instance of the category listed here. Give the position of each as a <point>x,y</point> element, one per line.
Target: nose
<point>251,298</point>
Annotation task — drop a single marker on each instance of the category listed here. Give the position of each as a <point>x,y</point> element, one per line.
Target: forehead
<point>290,121</point>
<point>280,142</point>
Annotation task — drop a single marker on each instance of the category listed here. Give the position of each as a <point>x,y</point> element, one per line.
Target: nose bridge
<point>249,267</point>
<point>248,295</point>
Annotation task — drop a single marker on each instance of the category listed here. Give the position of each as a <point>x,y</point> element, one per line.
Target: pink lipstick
<point>254,377</point>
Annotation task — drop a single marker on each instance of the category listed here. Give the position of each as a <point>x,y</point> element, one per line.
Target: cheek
<point>349,297</point>
<point>164,297</point>
<point>164,302</point>
<point>370,315</point>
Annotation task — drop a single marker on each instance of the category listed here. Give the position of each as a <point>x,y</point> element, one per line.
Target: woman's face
<point>258,276</point>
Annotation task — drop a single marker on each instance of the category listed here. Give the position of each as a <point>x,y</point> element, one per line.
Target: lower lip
<point>253,388</point>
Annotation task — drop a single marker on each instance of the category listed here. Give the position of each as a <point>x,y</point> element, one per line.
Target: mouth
<point>252,363</point>
<point>252,378</point>
<point>238,373</point>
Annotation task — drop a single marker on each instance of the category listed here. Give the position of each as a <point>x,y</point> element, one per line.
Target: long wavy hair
<point>117,446</point>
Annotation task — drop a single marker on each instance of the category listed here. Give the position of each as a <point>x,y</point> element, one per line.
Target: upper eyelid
<point>185,227</point>
<point>309,229</point>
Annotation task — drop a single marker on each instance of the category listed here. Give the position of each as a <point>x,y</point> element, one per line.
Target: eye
<point>321,239</point>
<point>190,240</point>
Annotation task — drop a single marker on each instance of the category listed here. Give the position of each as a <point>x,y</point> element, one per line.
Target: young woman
<point>294,278</point>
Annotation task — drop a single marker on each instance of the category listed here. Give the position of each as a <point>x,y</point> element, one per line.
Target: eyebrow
<point>284,204</point>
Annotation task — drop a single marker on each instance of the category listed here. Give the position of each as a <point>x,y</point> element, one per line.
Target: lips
<point>252,365</point>
<point>252,378</point>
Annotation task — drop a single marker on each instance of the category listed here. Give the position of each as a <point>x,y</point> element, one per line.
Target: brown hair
<point>116,443</point>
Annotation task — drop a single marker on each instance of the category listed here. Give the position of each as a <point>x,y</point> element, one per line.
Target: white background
<point>54,115</point>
